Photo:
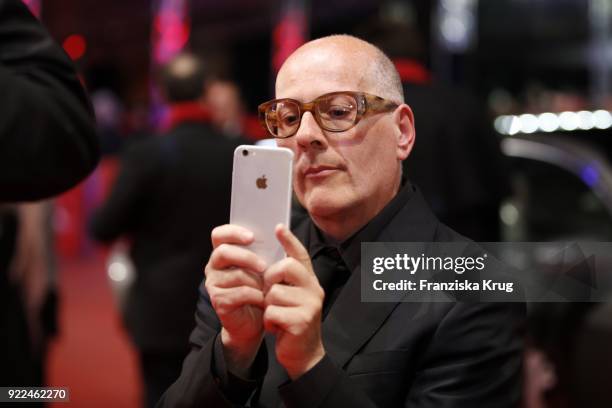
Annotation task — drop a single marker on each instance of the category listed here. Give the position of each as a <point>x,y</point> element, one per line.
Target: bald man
<point>295,333</point>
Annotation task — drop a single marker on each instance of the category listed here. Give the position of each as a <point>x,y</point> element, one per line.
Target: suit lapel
<point>350,322</point>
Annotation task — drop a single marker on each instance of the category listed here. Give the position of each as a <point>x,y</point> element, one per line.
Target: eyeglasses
<point>334,112</point>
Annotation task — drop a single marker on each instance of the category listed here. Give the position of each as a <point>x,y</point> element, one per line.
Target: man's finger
<point>288,271</point>
<point>225,301</point>
<point>231,234</point>
<point>276,318</point>
<point>227,256</point>
<point>236,277</point>
<point>284,295</point>
<point>290,319</point>
<point>293,247</point>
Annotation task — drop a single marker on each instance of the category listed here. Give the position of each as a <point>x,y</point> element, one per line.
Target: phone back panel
<point>261,195</point>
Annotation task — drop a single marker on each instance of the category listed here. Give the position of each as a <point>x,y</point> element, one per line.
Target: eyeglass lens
<point>334,113</point>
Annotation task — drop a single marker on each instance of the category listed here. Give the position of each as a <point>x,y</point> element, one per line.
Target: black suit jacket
<point>47,137</point>
<point>171,191</point>
<point>382,354</point>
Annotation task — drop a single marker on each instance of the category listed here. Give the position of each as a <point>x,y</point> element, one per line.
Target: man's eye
<point>338,112</point>
<point>289,119</point>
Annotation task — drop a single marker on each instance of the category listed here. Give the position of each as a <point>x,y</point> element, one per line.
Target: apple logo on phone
<point>262,182</point>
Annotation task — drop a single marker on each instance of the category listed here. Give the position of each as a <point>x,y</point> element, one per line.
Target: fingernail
<point>248,235</point>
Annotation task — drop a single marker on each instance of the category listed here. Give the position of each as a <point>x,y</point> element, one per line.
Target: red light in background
<point>290,31</point>
<point>170,34</point>
<point>75,46</point>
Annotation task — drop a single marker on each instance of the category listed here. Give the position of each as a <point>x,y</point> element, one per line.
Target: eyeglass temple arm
<point>376,103</point>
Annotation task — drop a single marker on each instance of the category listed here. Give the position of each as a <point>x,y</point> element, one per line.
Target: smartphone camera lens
<point>245,152</point>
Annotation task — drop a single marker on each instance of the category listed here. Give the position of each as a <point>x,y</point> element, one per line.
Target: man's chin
<point>322,206</point>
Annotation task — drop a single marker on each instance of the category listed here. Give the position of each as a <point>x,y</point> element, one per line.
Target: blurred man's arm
<point>47,137</point>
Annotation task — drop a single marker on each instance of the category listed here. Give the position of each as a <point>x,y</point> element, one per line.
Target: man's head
<point>183,79</point>
<point>345,178</point>
<point>225,104</point>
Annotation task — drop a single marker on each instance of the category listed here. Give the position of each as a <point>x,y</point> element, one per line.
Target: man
<point>170,192</point>
<point>228,112</point>
<point>47,145</point>
<point>295,333</point>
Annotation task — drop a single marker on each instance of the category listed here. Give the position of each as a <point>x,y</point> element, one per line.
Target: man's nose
<point>310,134</point>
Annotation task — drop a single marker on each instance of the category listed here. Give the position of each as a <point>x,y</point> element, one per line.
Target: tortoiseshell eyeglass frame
<point>366,104</point>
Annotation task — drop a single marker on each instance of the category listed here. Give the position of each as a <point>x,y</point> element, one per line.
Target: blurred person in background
<point>226,107</point>
<point>568,357</point>
<point>47,145</point>
<point>458,165</point>
<point>224,100</point>
<point>170,192</point>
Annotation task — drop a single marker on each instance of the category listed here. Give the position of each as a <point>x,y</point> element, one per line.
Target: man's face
<point>223,100</point>
<point>345,174</point>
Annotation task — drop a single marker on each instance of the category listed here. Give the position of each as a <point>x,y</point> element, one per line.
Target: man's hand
<point>293,304</point>
<point>234,281</point>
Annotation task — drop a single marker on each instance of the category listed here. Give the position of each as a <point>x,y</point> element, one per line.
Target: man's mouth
<point>319,171</point>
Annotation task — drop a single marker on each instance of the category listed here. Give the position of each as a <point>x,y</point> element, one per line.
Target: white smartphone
<point>261,195</point>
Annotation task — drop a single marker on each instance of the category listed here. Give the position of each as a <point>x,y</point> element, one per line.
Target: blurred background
<point>512,101</point>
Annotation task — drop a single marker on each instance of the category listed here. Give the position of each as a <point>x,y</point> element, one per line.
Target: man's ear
<point>404,120</point>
